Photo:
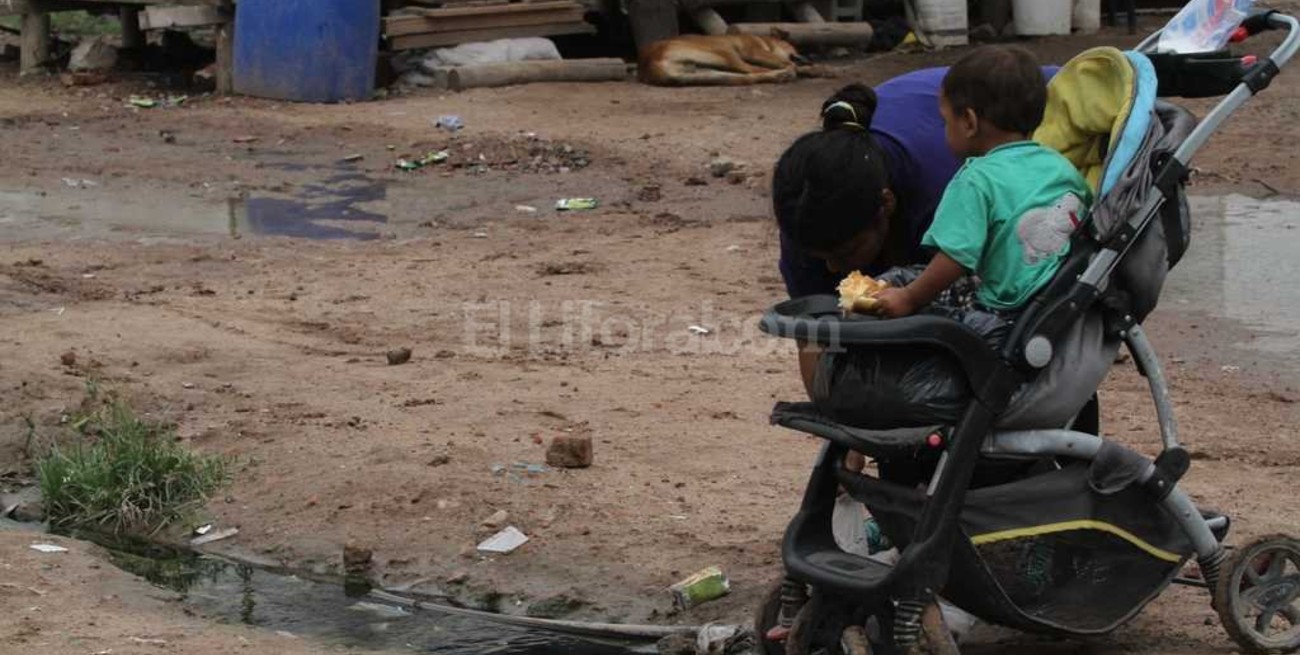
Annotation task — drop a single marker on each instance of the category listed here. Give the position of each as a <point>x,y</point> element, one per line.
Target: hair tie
<point>852,112</point>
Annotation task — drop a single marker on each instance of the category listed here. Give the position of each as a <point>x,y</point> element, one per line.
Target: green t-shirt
<point>1007,216</point>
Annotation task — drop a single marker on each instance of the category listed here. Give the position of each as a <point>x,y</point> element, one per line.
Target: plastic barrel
<point>306,50</point>
<point>939,23</point>
<point>1040,17</point>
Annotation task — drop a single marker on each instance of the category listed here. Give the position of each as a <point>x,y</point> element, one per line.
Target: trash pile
<point>525,153</point>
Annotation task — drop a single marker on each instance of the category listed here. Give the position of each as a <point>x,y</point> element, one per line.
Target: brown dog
<point>721,60</point>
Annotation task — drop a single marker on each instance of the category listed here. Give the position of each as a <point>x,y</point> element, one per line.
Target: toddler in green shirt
<point>1008,214</point>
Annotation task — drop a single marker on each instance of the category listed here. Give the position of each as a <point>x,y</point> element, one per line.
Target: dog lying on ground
<point>720,60</point>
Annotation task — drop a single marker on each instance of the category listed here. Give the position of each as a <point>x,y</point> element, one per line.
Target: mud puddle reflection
<point>340,614</point>
<point>1244,265</point>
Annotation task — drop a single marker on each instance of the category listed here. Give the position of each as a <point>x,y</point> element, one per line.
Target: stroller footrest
<point>812,556</point>
<point>804,417</point>
<point>835,569</point>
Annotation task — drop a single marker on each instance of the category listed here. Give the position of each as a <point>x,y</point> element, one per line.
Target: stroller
<point>1008,504</point>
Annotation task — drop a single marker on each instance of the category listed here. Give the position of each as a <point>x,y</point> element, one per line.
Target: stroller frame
<point>863,587</point>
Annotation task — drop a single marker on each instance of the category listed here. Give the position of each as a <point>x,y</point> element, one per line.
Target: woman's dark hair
<point>1002,85</point>
<point>828,185</point>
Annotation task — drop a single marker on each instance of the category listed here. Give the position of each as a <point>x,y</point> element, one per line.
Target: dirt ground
<point>174,278</point>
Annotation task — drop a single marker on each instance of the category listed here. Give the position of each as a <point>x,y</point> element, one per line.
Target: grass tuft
<point>125,474</point>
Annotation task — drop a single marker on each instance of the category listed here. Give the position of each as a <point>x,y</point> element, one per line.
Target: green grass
<point>125,474</point>
<point>73,23</point>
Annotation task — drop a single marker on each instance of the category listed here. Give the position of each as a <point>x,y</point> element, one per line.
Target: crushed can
<point>704,586</point>
<point>575,204</point>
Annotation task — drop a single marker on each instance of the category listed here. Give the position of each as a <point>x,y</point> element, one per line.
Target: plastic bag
<point>894,388</point>
<point>1203,25</point>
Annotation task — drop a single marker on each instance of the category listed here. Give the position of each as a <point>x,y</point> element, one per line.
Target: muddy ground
<point>218,263</point>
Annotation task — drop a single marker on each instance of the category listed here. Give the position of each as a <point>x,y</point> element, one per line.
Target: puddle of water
<point>336,207</point>
<point>1242,265</point>
<point>237,593</point>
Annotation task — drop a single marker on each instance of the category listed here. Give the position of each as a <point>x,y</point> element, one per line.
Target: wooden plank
<point>161,18</point>
<point>35,49</point>
<point>426,25</point>
<point>513,8</point>
<point>439,39</point>
<point>525,72</point>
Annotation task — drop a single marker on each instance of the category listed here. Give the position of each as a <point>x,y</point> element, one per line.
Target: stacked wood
<point>426,28</point>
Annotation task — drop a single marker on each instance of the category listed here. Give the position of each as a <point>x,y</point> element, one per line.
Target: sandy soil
<point>523,326</point>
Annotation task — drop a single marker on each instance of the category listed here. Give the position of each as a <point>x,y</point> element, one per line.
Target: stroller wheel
<point>1258,595</point>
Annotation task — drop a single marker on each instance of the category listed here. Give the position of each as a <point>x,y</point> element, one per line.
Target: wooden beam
<point>811,34</point>
<point>652,20</point>
<point>161,18</point>
<point>226,49</point>
<point>439,39</point>
<point>35,41</point>
<point>525,72</point>
<point>403,26</point>
<point>132,35</point>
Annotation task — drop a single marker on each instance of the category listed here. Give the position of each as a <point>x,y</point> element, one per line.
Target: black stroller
<point>998,493</point>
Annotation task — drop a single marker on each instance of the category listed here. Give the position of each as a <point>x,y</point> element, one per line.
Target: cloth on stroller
<point>1102,113</point>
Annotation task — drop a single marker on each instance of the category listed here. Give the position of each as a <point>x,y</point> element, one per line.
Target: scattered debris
<point>167,136</point>
<point>570,451</point>
<point>148,642</point>
<point>497,519</point>
<point>398,356</point>
<point>357,559</point>
<point>699,329</point>
<point>214,536</point>
<point>1230,368</point>
<point>450,122</point>
<point>48,548</point>
<point>480,235</point>
<point>696,181</point>
<point>203,529</point>
<point>575,204</point>
<point>734,248</point>
<point>68,359</point>
<point>79,184</point>
<point>701,587</point>
<point>720,166</point>
<point>187,385</point>
<point>440,460</point>
<point>433,157</point>
<point>245,139</point>
<point>526,209</point>
<point>142,102</point>
<point>718,639</point>
<point>503,542</point>
<point>354,157</point>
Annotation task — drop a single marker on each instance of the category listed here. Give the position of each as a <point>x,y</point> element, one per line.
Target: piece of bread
<point>858,292</point>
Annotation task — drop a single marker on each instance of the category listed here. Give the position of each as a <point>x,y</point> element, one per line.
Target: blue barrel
<point>306,50</point>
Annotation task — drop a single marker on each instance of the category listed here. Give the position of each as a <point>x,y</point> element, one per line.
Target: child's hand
<point>895,302</point>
